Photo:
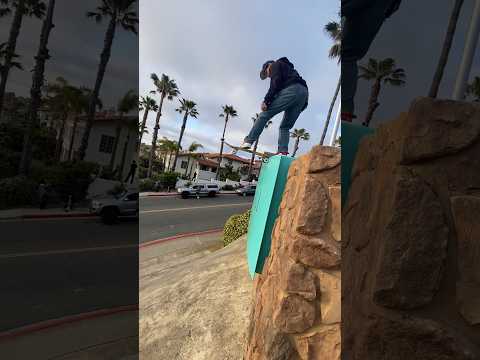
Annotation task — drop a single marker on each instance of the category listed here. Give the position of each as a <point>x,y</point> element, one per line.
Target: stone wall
<point>411,238</point>
<point>296,310</point>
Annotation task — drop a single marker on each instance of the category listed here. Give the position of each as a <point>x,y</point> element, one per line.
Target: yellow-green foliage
<point>236,226</point>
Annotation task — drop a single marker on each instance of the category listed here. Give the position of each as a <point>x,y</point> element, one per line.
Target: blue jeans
<point>291,100</point>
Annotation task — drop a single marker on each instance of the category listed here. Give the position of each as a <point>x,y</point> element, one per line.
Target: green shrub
<point>167,180</point>
<point>146,185</point>
<point>67,177</point>
<point>235,227</point>
<point>17,191</point>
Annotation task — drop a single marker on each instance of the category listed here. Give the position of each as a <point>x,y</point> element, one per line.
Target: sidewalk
<point>101,334</point>
<point>35,213</point>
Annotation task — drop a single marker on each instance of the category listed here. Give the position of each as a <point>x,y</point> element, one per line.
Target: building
<point>204,165</point>
<point>107,127</point>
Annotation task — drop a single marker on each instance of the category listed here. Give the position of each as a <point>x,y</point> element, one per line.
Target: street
<point>165,216</point>
<point>57,267</point>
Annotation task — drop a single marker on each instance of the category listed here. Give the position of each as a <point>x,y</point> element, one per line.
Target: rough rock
<point>413,245</point>
<point>410,238</point>
<point>436,128</point>
<point>466,215</point>
<point>196,307</point>
<point>296,312</point>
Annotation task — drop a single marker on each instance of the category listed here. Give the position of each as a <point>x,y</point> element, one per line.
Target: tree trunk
<point>252,159</point>
<point>330,110</point>
<point>118,131</point>
<point>154,137</point>
<point>36,89</point>
<point>142,129</point>
<point>373,102</point>
<point>59,144</point>
<point>10,50</point>
<point>447,44</point>
<point>124,155</point>
<point>72,139</point>
<point>104,58</point>
<point>182,131</point>
<point>188,163</point>
<point>221,148</point>
<point>295,148</point>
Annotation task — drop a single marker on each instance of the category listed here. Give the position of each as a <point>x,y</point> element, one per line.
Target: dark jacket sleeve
<point>275,83</point>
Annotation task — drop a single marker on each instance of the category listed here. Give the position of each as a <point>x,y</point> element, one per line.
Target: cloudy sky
<point>214,50</point>
<point>75,45</point>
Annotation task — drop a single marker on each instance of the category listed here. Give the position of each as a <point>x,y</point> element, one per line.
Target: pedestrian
<point>131,173</point>
<point>42,194</point>
<point>288,93</point>
<point>362,22</point>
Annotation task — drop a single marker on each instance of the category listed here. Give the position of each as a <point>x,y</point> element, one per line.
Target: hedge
<point>235,227</point>
<point>17,191</point>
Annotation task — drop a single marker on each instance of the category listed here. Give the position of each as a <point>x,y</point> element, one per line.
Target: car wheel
<point>212,194</point>
<point>109,216</point>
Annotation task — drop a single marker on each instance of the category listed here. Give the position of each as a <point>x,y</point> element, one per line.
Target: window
<point>132,197</point>
<point>184,164</point>
<point>106,144</point>
<point>212,186</point>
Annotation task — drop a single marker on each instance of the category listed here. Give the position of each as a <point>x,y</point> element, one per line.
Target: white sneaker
<point>245,145</point>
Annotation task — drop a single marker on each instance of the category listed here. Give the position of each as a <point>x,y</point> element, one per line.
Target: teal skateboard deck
<point>351,137</point>
<point>270,187</point>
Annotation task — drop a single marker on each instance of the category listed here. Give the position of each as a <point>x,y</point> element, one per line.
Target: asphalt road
<point>165,216</point>
<point>58,267</point>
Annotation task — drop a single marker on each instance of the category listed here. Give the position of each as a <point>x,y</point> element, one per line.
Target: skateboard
<point>264,155</point>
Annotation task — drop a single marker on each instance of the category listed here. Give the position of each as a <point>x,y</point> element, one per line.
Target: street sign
<point>268,196</point>
<point>351,136</point>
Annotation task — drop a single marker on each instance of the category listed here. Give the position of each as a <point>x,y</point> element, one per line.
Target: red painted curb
<point>158,241</point>
<point>65,320</point>
<point>53,216</point>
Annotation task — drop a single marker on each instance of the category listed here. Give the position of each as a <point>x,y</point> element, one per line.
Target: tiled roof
<point>207,163</point>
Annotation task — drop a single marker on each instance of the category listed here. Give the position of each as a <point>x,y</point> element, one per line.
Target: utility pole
<point>336,125</point>
<point>468,54</point>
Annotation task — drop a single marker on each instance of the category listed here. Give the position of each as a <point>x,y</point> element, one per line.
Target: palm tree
<point>30,8</point>
<point>80,106</point>
<point>188,108</point>
<point>62,101</point>
<point>334,30</point>
<point>194,146</point>
<point>298,134</point>
<point>380,71</point>
<point>473,89</point>
<point>127,103</point>
<point>447,44</point>
<point>36,89</point>
<point>167,88</point>
<point>121,13</point>
<point>13,63</point>
<point>146,104</point>
<point>228,112</point>
<point>254,151</point>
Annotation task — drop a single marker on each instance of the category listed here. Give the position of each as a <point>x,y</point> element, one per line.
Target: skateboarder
<point>288,93</point>
<point>363,20</point>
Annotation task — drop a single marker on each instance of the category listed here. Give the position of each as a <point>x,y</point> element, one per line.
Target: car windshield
<point>120,195</point>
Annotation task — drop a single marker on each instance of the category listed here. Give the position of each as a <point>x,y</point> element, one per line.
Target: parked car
<point>111,208</point>
<point>209,190</point>
<point>246,190</point>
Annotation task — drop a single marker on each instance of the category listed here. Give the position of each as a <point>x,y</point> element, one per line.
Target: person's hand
<point>264,106</point>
